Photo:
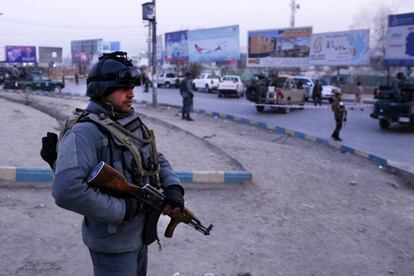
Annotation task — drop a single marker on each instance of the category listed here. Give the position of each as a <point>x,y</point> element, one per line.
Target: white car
<point>168,80</point>
<point>307,83</point>
<point>206,81</point>
<point>230,85</point>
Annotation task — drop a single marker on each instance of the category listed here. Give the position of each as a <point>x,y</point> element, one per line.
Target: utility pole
<point>154,58</point>
<point>293,8</point>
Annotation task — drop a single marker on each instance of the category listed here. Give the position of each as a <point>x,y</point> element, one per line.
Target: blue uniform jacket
<point>79,151</point>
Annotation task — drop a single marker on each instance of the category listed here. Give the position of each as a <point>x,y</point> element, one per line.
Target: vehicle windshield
<point>228,78</point>
<point>323,82</point>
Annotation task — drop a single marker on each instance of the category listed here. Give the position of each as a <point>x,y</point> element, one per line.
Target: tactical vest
<point>125,137</point>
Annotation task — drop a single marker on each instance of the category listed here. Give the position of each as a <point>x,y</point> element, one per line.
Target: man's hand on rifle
<point>174,200</point>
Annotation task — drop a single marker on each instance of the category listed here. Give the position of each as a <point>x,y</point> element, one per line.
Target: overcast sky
<point>56,22</point>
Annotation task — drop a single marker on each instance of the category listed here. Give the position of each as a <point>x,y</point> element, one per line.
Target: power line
<point>63,26</point>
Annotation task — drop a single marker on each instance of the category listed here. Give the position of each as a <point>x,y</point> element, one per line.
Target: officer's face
<point>121,99</point>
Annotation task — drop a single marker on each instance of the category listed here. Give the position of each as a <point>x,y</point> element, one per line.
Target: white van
<point>308,83</point>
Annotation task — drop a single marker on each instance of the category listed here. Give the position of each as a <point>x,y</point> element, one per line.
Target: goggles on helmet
<point>129,75</point>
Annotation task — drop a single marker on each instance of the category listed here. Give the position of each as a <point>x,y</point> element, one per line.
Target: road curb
<point>36,175</point>
<point>33,174</point>
<point>406,173</point>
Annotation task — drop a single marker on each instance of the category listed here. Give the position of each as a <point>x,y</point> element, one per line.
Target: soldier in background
<point>317,93</point>
<point>339,110</point>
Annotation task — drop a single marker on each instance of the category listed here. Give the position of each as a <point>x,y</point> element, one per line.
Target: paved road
<point>361,132</point>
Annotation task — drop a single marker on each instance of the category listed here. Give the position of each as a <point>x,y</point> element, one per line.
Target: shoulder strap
<point>124,136</point>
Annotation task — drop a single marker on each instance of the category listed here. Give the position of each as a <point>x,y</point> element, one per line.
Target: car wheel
<point>167,85</point>
<point>384,124</point>
<point>194,87</point>
<point>330,100</point>
<point>259,108</point>
<point>208,90</point>
<point>219,94</point>
<point>58,89</point>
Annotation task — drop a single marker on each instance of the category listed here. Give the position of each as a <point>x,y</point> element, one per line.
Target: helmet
<point>112,71</point>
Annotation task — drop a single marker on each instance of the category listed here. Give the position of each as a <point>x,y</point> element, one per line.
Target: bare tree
<point>376,20</point>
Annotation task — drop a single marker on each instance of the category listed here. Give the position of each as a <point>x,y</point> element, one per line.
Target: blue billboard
<point>215,44</point>
<point>20,54</point>
<point>176,46</point>
<point>399,44</point>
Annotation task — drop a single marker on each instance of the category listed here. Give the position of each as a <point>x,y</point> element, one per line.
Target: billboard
<point>20,53</point>
<point>84,50</point>
<point>108,46</point>
<point>215,44</point>
<point>340,48</point>
<point>176,46</point>
<point>160,54</point>
<point>50,54</point>
<point>289,47</point>
<point>399,45</point>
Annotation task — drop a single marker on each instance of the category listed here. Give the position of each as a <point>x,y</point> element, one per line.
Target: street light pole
<point>154,59</point>
<point>294,7</point>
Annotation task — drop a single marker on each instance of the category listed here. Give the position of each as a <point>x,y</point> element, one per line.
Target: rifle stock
<point>107,179</point>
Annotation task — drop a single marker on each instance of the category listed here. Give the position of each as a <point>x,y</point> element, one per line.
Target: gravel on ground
<point>310,211</point>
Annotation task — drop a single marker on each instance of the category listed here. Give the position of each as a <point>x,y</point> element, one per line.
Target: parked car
<point>280,90</point>
<point>230,85</point>
<point>307,83</point>
<point>168,80</point>
<point>35,81</point>
<point>206,81</point>
<point>388,110</point>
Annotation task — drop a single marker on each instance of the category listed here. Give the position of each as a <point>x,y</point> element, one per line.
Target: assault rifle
<point>106,178</point>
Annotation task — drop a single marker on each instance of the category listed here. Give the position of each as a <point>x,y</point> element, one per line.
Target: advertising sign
<point>2,54</point>
<point>176,46</point>
<point>50,54</point>
<point>108,46</point>
<point>20,54</point>
<point>83,50</point>
<point>160,53</point>
<point>81,58</point>
<point>340,48</point>
<point>288,47</point>
<point>216,44</point>
<point>399,45</point>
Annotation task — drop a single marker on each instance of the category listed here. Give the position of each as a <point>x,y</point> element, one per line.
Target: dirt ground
<point>310,211</point>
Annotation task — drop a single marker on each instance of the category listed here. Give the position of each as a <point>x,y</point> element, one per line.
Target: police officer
<point>113,228</point>
<point>396,87</point>
<point>187,94</point>
<point>339,111</point>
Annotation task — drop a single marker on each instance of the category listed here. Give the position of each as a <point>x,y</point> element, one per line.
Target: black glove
<point>132,208</point>
<point>48,151</point>
<point>174,196</point>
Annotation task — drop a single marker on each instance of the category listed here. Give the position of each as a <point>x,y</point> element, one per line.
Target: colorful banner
<point>50,54</point>
<point>216,44</point>
<point>20,53</point>
<point>348,48</point>
<point>160,53</point>
<point>108,46</point>
<point>399,45</point>
<point>176,46</point>
<point>288,47</point>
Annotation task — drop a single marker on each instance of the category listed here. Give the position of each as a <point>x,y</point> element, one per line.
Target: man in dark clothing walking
<point>339,111</point>
<point>317,93</point>
<point>186,92</point>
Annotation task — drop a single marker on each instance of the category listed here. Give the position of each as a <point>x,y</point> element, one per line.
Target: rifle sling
<point>124,136</point>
